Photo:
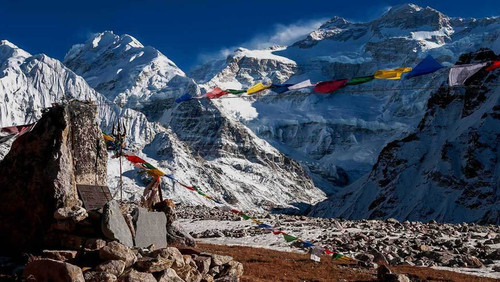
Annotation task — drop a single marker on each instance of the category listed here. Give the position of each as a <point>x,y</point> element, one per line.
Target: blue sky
<point>190,31</point>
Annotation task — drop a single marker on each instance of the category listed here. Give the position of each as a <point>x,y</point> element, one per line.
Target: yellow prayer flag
<point>256,88</point>
<point>108,138</point>
<point>156,172</point>
<point>391,74</point>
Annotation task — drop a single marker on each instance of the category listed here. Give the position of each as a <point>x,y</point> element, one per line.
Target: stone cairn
<point>43,217</point>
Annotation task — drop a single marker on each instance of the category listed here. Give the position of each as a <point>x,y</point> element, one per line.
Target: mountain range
<point>369,151</point>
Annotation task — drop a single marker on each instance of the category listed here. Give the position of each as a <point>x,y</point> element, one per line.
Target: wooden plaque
<point>93,197</point>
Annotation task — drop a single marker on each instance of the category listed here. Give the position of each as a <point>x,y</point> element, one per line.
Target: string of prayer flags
<point>303,84</point>
<point>426,66</point>
<point>236,92</point>
<point>280,88</point>
<point>493,66</point>
<point>155,172</point>
<point>460,73</point>
<point>216,93</point>
<point>256,88</point>
<point>391,74</point>
<point>360,80</point>
<point>184,98</point>
<point>330,86</point>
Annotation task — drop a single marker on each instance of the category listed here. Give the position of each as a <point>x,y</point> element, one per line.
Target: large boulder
<point>52,270</point>
<point>40,173</point>
<point>114,225</point>
<point>150,228</point>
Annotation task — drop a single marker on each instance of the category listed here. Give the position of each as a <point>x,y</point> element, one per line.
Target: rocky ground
<point>468,248</point>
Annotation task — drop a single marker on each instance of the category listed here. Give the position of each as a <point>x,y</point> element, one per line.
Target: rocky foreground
<point>461,247</point>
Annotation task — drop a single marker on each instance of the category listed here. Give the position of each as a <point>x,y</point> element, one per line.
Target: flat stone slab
<point>114,226</point>
<point>150,228</point>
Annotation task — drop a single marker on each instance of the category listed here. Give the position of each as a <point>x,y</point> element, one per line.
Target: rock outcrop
<point>39,175</point>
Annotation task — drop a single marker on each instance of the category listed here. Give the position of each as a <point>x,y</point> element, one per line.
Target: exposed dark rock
<point>52,270</point>
<point>40,173</point>
<point>114,226</point>
<point>150,228</point>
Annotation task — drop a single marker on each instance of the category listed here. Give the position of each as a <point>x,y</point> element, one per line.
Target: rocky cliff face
<point>448,169</point>
<point>42,169</point>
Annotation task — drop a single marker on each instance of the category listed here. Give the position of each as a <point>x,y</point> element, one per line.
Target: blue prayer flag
<point>280,88</point>
<point>426,66</point>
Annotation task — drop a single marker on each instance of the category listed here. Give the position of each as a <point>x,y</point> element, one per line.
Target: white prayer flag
<point>459,74</point>
<point>303,84</point>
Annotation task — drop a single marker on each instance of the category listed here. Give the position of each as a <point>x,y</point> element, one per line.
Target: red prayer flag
<point>216,93</point>
<point>495,65</point>
<point>278,232</point>
<point>135,159</point>
<point>330,86</point>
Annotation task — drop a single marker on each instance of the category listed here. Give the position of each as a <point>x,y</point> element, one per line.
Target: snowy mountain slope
<point>345,131</point>
<point>222,154</point>
<point>448,169</point>
<point>124,70</point>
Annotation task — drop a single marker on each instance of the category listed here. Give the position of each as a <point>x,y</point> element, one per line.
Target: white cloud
<point>280,34</point>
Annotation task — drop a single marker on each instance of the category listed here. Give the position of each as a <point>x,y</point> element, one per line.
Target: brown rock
<point>170,253</point>
<point>52,270</point>
<point>135,276</point>
<point>71,241</point>
<point>424,248</point>
<point>207,278</point>
<point>218,260</point>
<point>116,251</point>
<point>75,213</point>
<point>188,273</point>
<point>149,264</point>
<point>189,261</point>
<point>203,264</point>
<point>233,268</point>
<point>64,225</point>
<point>99,276</point>
<point>94,244</point>
<point>63,255</point>
<point>382,271</point>
<point>394,277</point>
<point>169,275</point>
<point>473,261</point>
<point>115,267</point>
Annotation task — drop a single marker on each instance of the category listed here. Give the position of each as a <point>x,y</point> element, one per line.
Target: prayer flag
<point>280,88</point>
<point>235,91</point>
<point>315,258</point>
<point>278,232</point>
<point>244,216</point>
<point>307,244</point>
<point>135,159</point>
<point>460,73</point>
<point>256,88</point>
<point>183,98</point>
<point>289,238</point>
<point>391,74</point>
<point>426,66</point>
<point>303,84</point>
<point>266,226</point>
<point>155,172</point>
<point>216,93</point>
<point>360,80</point>
<point>18,128</point>
<point>107,137</point>
<point>329,86</point>
<point>494,65</point>
<point>148,166</point>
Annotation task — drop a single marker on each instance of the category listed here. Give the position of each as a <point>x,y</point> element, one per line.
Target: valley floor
<point>271,265</point>
<point>408,247</point>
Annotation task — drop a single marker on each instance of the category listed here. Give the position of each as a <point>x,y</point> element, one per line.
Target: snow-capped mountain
<point>215,152</point>
<point>447,170</point>
<point>125,71</point>
<point>339,136</point>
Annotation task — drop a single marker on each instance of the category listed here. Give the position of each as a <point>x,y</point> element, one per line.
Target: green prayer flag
<point>338,255</point>
<point>148,166</point>
<point>289,238</point>
<point>360,80</point>
<point>244,216</point>
<point>235,91</point>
